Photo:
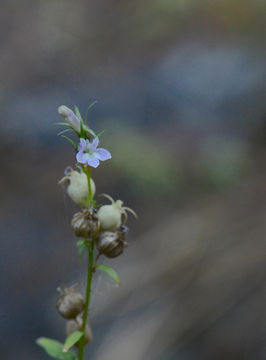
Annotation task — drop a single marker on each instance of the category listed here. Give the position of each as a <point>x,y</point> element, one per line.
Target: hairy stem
<point>87,300</point>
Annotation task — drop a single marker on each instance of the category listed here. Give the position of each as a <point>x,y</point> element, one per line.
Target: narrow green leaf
<point>63,132</point>
<point>89,107</point>
<point>100,133</point>
<point>55,349</point>
<point>111,272</point>
<point>80,252</point>
<point>63,124</point>
<point>70,141</point>
<point>94,204</point>
<point>82,245</point>
<point>78,113</point>
<point>89,131</point>
<point>82,132</point>
<point>71,340</point>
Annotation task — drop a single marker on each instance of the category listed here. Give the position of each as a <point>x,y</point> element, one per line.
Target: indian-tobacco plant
<point>100,231</point>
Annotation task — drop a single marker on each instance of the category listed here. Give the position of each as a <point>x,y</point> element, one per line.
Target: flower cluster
<point>97,227</point>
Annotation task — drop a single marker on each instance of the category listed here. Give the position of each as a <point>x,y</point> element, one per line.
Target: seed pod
<point>110,216</point>
<point>69,303</point>
<point>76,325</point>
<point>85,223</point>
<point>78,186</point>
<point>111,244</point>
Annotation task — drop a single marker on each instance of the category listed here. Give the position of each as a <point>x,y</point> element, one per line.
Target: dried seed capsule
<point>69,303</point>
<point>85,223</point>
<point>111,244</point>
<point>76,325</point>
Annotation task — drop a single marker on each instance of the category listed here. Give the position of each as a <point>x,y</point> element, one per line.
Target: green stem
<point>87,300</point>
<point>87,171</point>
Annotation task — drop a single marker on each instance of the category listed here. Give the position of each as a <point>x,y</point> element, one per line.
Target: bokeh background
<point>181,87</point>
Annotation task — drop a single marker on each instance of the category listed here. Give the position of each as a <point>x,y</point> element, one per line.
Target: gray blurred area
<point>181,96</point>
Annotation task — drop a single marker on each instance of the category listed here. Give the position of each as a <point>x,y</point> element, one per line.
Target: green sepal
<point>78,113</point>
<point>72,339</point>
<point>55,349</point>
<point>82,245</point>
<point>70,141</point>
<point>88,109</point>
<point>111,272</point>
<point>63,132</point>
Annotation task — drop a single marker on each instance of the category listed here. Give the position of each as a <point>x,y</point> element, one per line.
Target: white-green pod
<point>110,216</point>
<point>78,187</point>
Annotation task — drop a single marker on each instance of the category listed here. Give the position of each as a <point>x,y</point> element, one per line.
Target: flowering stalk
<point>81,344</point>
<point>101,228</point>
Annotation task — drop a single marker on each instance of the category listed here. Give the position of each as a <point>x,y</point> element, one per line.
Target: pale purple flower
<point>89,154</point>
<point>69,117</point>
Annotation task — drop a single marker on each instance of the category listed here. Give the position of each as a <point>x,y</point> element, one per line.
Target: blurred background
<point>181,87</point>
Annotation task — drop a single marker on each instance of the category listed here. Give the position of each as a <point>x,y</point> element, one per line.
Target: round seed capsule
<point>111,244</point>
<point>69,303</point>
<point>76,325</point>
<point>85,223</point>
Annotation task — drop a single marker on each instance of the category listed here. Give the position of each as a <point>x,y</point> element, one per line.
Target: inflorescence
<point>98,228</point>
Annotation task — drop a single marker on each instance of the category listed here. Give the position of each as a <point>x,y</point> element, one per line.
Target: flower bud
<point>69,117</point>
<point>78,187</point>
<point>85,223</point>
<point>111,244</point>
<point>76,325</point>
<point>69,303</point>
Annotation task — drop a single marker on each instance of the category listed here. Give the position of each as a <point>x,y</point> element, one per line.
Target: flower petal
<point>103,154</point>
<point>80,157</point>
<point>93,161</point>
<point>88,147</point>
<point>82,144</point>
<point>95,142</point>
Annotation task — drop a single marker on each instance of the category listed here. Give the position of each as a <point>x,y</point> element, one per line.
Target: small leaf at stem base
<point>71,340</point>
<point>55,349</point>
